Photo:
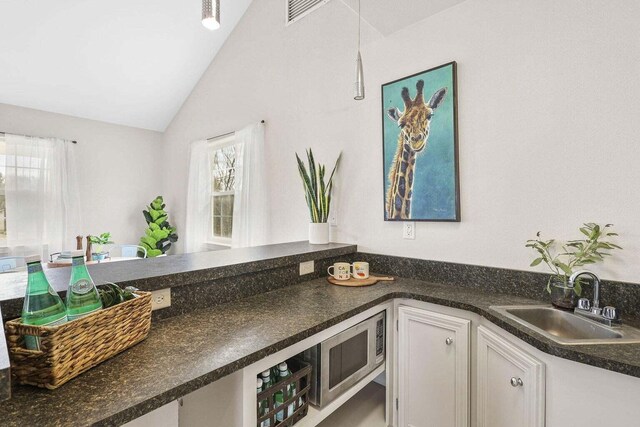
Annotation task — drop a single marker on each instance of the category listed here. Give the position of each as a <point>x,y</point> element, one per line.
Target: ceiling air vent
<point>297,9</point>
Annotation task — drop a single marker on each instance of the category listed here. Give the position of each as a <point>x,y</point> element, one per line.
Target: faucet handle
<point>611,313</point>
<point>584,304</point>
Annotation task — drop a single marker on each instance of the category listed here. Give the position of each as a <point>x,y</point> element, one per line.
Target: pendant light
<point>359,84</point>
<point>211,14</point>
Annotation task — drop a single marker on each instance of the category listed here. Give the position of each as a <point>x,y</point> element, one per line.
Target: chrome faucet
<point>595,308</point>
<point>609,315</point>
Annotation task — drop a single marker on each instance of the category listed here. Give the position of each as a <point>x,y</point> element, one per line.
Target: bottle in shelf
<point>82,295</point>
<point>42,305</point>
<point>284,373</point>
<point>264,406</point>
<point>266,379</point>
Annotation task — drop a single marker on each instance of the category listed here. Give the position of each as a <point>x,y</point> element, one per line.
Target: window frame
<point>216,144</point>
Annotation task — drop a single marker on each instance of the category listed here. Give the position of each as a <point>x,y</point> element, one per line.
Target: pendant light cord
<point>359,19</point>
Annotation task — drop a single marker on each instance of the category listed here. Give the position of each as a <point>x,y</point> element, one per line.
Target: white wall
<point>119,169</point>
<point>548,121</point>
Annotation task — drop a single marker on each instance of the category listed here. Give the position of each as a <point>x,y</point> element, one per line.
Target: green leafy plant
<point>159,234</point>
<point>575,253</point>
<point>317,193</point>
<point>112,294</point>
<point>99,241</point>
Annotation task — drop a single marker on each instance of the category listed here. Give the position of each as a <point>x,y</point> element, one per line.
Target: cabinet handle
<point>449,341</point>
<point>516,382</point>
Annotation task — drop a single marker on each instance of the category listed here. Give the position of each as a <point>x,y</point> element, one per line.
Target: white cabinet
<point>433,369</point>
<point>511,384</point>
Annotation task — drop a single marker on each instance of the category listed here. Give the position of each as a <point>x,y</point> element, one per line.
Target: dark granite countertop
<point>184,269</point>
<point>198,348</point>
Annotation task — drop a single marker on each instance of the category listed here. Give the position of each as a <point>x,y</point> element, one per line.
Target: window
<point>38,194</point>
<point>223,172</point>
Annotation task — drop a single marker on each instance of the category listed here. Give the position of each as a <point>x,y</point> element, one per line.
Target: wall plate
<point>307,267</point>
<point>160,299</point>
<point>409,230</point>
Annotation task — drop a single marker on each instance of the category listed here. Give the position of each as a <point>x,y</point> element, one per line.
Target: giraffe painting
<point>412,139</point>
<point>413,150</point>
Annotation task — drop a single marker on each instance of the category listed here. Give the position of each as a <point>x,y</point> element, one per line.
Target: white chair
<point>127,251</point>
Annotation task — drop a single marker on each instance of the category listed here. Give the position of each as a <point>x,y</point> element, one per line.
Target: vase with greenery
<point>565,259</point>
<point>159,234</point>
<point>97,243</point>
<point>317,194</point>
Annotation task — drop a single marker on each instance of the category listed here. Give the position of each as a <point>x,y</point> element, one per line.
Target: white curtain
<point>198,217</point>
<point>41,190</point>
<point>250,214</point>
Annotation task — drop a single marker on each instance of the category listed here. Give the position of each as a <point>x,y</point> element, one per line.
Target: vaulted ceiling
<point>389,16</point>
<point>133,62</point>
<point>130,62</point>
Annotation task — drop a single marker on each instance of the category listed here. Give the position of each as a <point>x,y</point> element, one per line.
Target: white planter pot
<point>319,233</point>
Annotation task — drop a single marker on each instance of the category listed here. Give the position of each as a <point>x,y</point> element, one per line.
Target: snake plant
<point>317,193</point>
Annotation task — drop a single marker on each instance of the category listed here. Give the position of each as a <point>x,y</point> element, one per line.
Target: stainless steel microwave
<point>341,361</point>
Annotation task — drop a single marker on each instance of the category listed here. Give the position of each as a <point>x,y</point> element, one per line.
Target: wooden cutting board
<point>372,280</point>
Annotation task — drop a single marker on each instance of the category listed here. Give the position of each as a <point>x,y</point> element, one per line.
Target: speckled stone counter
<point>200,347</point>
<point>236,272</point>
<point>184,269</point>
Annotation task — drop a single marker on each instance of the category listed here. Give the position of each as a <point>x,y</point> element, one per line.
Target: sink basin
<point>567,328</point>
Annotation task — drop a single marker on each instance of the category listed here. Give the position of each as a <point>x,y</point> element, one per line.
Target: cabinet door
<point>511,385</point>
<point>433,369</point>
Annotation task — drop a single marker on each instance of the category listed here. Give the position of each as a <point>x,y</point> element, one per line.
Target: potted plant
<point>317,193</point>
<point>159,234</point>
<point>593,248</point>
<point>97,243</point>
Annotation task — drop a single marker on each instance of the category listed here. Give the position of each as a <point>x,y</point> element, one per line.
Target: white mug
<point>360,270</point>
<point>341,271</point>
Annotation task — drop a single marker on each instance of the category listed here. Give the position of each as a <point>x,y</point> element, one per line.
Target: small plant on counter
<point>98,242</point>
<point>317,193</point>
<point>592,249</point>
<point>159,234</point>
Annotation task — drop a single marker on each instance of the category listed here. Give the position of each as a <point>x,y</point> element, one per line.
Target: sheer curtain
<point>198,218</point>
<point>250,220</point>
<point>41,193</point>
<point>250,213</point>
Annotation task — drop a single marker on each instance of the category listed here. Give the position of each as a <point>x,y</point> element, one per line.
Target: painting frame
<point>387,144</point>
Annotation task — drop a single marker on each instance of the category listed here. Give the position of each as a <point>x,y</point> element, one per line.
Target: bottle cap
<point>32,258</point>
<point>266,373</point>
<point>78,253</point>
<point>259,383</point>
<point>282,366</point>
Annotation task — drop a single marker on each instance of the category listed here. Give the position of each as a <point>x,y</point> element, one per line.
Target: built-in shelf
<point>365,409</point>
<point>315,415</point>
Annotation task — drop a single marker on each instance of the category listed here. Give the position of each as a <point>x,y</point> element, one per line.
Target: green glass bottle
<point>82,295</point>
<point>42,305</point>
<point>284,373</point>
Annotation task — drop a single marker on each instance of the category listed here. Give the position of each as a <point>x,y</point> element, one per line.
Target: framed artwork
<point>420,146</point>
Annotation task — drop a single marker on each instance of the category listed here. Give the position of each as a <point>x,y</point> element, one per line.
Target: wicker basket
<point>74,347</point>
<point>301,378</point>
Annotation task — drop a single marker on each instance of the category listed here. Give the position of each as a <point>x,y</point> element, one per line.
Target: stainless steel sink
<point>567,328</point>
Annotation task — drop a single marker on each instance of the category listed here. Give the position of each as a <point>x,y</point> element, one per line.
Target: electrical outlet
<point>333,218</point>
<point>161,299</point>
<point>306,268</point>
<point>409,230</point>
